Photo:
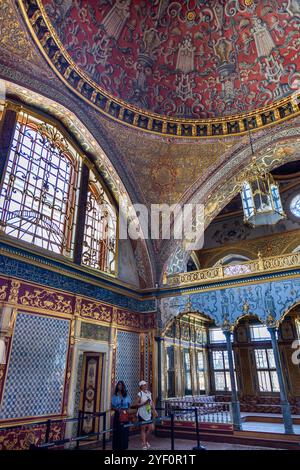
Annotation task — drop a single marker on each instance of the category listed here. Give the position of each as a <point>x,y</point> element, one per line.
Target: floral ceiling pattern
<point>193,58</point>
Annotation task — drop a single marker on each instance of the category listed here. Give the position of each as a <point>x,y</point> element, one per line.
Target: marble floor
<point>159,443</point>
<point>277,428</point>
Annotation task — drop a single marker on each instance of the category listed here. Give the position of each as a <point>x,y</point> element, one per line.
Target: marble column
<point>286,409</point>
<point>236,416</point>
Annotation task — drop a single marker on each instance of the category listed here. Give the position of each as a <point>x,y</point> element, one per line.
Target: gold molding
<point>272,264</point>
<point>136,112</point>
<point>28,258</point>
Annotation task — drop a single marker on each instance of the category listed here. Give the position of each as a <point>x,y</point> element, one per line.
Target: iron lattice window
<point>38,195</point>
<point>266,370</point>
<point>99,245</point>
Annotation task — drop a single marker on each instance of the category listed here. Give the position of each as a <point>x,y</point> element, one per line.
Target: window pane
<point>218,360</point>
<point>187,371</point>
<point>200,362</point>
<point>261,359</point>
<point>216,335</point>
<point>228,381</point>
<point>220,383</point>
<point>271,358</point>
<point>259,333</point>
<point>274,380</point>
<point>99,243</point>
<point>39,192</point>
<point>226,363</point>
<point>201,379</point>
<point>264,381</point>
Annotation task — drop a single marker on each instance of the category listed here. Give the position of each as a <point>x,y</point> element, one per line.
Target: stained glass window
<point>266,370</point>
<point>39,192</point>
<point>99,245</point>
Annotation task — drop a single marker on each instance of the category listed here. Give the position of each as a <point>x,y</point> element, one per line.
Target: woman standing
<point>120,403</point>
<point>146,410</point>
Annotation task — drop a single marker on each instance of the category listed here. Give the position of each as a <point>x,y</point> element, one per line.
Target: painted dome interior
<point>193,58</point>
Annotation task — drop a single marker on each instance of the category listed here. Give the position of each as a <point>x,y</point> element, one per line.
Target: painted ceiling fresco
<point>192,58</point>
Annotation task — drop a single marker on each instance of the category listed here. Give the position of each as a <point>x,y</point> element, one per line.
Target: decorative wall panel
<point>37,366</point>
<point>96,332</point>
<point>272,297</point>
<point>53,278</point>
<point>128,361</point>
<point>22,438</point>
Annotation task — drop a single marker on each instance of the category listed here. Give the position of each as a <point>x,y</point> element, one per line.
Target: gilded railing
<point>219,272</point>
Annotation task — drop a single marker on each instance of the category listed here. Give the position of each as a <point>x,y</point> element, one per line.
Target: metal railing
<point>168,419</point>
<point>208,411</point>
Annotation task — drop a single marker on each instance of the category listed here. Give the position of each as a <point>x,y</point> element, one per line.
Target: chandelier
<point>261,197</point>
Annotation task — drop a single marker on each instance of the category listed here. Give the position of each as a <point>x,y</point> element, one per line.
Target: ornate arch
<point>98,159</point>
<point>272,150</point>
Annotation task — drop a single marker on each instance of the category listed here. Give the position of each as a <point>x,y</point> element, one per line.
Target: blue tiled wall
<point>128,361</point>
<point>36,372</point>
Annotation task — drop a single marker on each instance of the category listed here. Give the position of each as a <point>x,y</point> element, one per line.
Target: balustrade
<point>220,272</point>
<point>209,411</point>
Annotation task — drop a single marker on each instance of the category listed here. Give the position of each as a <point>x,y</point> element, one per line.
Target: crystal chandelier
<point>261,198</point>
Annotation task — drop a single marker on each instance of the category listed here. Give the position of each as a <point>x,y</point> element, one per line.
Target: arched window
<point>99,243</point>
<point>39,190</point>
<point>41,185</point>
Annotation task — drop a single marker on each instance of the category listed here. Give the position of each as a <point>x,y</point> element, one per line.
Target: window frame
<point>95,187</point>
<point>26,121</point>
<point>225,371</point>
<point>26,116</point>
<point>268,370</point>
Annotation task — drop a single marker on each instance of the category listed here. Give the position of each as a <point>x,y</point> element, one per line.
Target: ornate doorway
<point>90,390</point>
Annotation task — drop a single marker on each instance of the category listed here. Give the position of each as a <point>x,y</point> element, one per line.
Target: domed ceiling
<point>179,58</point>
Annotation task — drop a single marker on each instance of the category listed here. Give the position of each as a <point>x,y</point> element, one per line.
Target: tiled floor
<point>158,443</point>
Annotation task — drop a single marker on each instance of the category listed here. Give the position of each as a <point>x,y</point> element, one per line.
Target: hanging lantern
<point>261,198</point>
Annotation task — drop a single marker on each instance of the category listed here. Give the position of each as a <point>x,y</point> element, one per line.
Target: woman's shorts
<point>142,420</point>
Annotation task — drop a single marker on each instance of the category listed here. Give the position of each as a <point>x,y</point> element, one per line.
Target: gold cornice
<point>138,113</point>
<point>215,275</point>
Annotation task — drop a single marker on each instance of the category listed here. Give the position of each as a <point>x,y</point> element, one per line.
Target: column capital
<point>227,328</point>
<point>271,323</point>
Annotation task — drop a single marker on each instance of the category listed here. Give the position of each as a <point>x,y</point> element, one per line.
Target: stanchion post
<point>172,432</point>
<point>48,427</point>
<point>104,432</point>
<point>199,446</point>
<point>78,427</point>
